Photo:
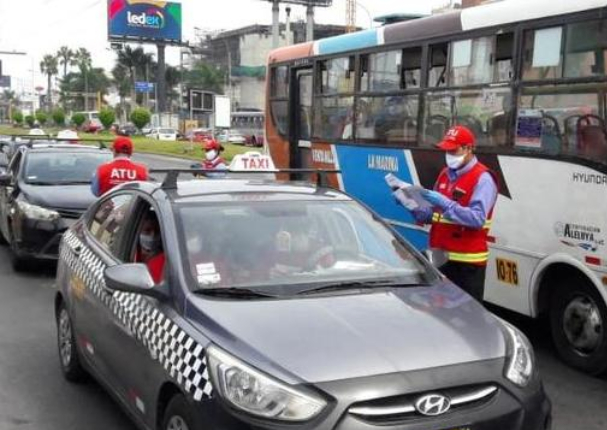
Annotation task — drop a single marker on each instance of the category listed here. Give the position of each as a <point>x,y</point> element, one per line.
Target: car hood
<point>75,197</point>
<point>344,336</point>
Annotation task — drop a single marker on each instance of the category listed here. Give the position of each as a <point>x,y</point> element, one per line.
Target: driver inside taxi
<point>150,250</point>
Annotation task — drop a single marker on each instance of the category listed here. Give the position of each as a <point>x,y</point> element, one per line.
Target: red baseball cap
<point>456,137</point>
<point>211,144</point>
<point>123,145</point>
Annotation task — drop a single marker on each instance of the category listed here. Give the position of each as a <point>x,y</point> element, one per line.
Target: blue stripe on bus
<point>348,42</point>
<point>363,171</point>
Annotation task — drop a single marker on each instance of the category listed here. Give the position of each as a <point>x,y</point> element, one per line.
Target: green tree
<point>59,116</point>
<point>97,81</point>
<point>82,59</point>
<point>140,117</point>
<point>41,117</point>
<point>30,120</point>
<point>131,60</point>
<point>65,56</point>
<point>205,77</point>
<point>122,83</point>
<point>107,117</point>
<point>49,66</point>
<point>17,117</point>
<point>78,119</point>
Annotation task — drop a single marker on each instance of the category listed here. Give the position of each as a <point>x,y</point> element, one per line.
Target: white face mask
<point>454,161</point>
<point>210,155</point>
<point>149,242</point>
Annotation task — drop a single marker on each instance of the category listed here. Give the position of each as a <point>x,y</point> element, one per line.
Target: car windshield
<point>62,167</point>
<point>292,247</point>
<point>166,131</point>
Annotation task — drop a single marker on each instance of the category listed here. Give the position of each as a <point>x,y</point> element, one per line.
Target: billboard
<point>144,20</point>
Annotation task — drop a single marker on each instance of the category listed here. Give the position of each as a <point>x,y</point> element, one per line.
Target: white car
<point>169,134</point>
<point>236,138</point>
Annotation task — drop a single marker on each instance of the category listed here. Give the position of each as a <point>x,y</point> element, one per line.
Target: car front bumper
<point>39,239</point>
<point>509,408</point>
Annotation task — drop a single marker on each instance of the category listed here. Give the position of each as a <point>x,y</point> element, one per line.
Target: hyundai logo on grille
<point>432,404</point>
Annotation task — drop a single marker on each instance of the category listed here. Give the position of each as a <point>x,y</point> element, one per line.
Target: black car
<point>249,304</point>
<point>44,190</point>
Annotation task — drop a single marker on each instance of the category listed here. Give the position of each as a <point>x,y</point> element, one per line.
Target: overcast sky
<point>39,27</point>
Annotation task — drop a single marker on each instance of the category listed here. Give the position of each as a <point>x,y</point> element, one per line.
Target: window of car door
<point>145,213</point>
<point>108,222</point>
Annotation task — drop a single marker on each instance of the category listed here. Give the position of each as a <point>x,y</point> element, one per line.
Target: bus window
<point>586,50</point>
<point>437,74</point>
<point>485,112</point>
<point>337,75</point>
<point>280,115</point>
<point>383,71</point>
<point>333,118</point>
<point>563,118</point>
<point>542,54</point>
<point>280,82</point>
<point>504,52</point>
<point>412,67</point>
<point>388,119</point>
<point>471,62</point>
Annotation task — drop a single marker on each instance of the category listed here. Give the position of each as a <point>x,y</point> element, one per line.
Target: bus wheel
<point>578,320</point>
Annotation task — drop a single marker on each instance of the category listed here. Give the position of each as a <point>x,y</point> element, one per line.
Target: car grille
<point>402,408</point>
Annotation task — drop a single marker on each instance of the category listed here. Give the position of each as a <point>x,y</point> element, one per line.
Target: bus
<point>250,124</point>
<point>530,79</point>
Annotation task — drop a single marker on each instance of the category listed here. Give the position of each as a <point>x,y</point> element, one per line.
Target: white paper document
<point>407,194</point>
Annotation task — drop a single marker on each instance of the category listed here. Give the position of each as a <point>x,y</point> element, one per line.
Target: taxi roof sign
<point>252,161</point>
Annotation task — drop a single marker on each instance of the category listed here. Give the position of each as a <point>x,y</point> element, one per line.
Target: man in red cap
<point>461,210</point>
<point>121,169</point>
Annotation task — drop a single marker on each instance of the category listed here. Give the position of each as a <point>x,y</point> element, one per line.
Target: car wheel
<point>68,351</point>
<point>578,321</point>
<point>179,415</point>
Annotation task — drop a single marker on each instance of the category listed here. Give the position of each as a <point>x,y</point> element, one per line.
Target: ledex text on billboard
<point>144,20</point>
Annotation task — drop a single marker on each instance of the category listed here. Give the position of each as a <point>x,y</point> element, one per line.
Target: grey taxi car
<point>279,305</point>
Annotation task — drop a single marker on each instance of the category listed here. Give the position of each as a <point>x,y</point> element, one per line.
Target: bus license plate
<point>507,271</point>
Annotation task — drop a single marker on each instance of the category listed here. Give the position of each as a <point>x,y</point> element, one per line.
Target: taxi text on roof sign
<point>252,161</point>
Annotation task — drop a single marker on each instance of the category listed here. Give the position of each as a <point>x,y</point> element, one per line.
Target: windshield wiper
<point>232,292</point>
<point>354,285</point>
<point>40,183</point>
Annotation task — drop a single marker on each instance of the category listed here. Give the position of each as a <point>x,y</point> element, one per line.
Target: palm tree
<point>49,66</point>
<point>66,57</point>
<point>82,59</point>
<point>122,82</point>
<point>131,59</point>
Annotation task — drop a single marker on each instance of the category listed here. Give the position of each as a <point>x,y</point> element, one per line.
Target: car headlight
<point>520,362</point>
<point>37,212</point>
<point>256,393</point>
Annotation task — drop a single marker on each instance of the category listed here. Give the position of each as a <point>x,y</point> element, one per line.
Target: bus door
<point>301,119</point>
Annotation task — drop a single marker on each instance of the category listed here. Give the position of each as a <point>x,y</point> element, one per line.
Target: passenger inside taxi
<point>149,248</point>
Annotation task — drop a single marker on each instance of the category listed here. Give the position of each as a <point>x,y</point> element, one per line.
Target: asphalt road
<point>34,396</point>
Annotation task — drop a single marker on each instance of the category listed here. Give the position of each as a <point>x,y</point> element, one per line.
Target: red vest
<point>118,171</point>
<point>463,244</point>
<point>212,164</point>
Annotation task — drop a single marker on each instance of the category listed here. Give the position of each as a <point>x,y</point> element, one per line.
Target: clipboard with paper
<point>407,194</point>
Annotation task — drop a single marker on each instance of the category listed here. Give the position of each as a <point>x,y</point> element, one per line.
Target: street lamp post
<point>229,78</point>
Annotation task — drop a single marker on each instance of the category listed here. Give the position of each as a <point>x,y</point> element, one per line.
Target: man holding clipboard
<point>459,209</point>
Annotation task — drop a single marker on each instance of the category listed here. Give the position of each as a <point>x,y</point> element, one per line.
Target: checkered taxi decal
<point>180,355</point>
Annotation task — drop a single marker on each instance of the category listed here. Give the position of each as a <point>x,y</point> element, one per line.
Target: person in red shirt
<point>213,161</point>
<point>121,169</point>
<point>150,250</point>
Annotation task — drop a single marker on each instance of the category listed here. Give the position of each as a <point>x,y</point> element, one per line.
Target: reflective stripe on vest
<point>479,257</point>
<point>437,217</point>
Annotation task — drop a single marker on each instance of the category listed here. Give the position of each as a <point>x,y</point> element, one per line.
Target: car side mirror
<point>5,179</point>
<point>133,278</point>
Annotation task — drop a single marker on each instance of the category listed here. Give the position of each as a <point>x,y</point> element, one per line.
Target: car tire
<point>179,415</point>
<point>578,322</point>
<point>69,358</point>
